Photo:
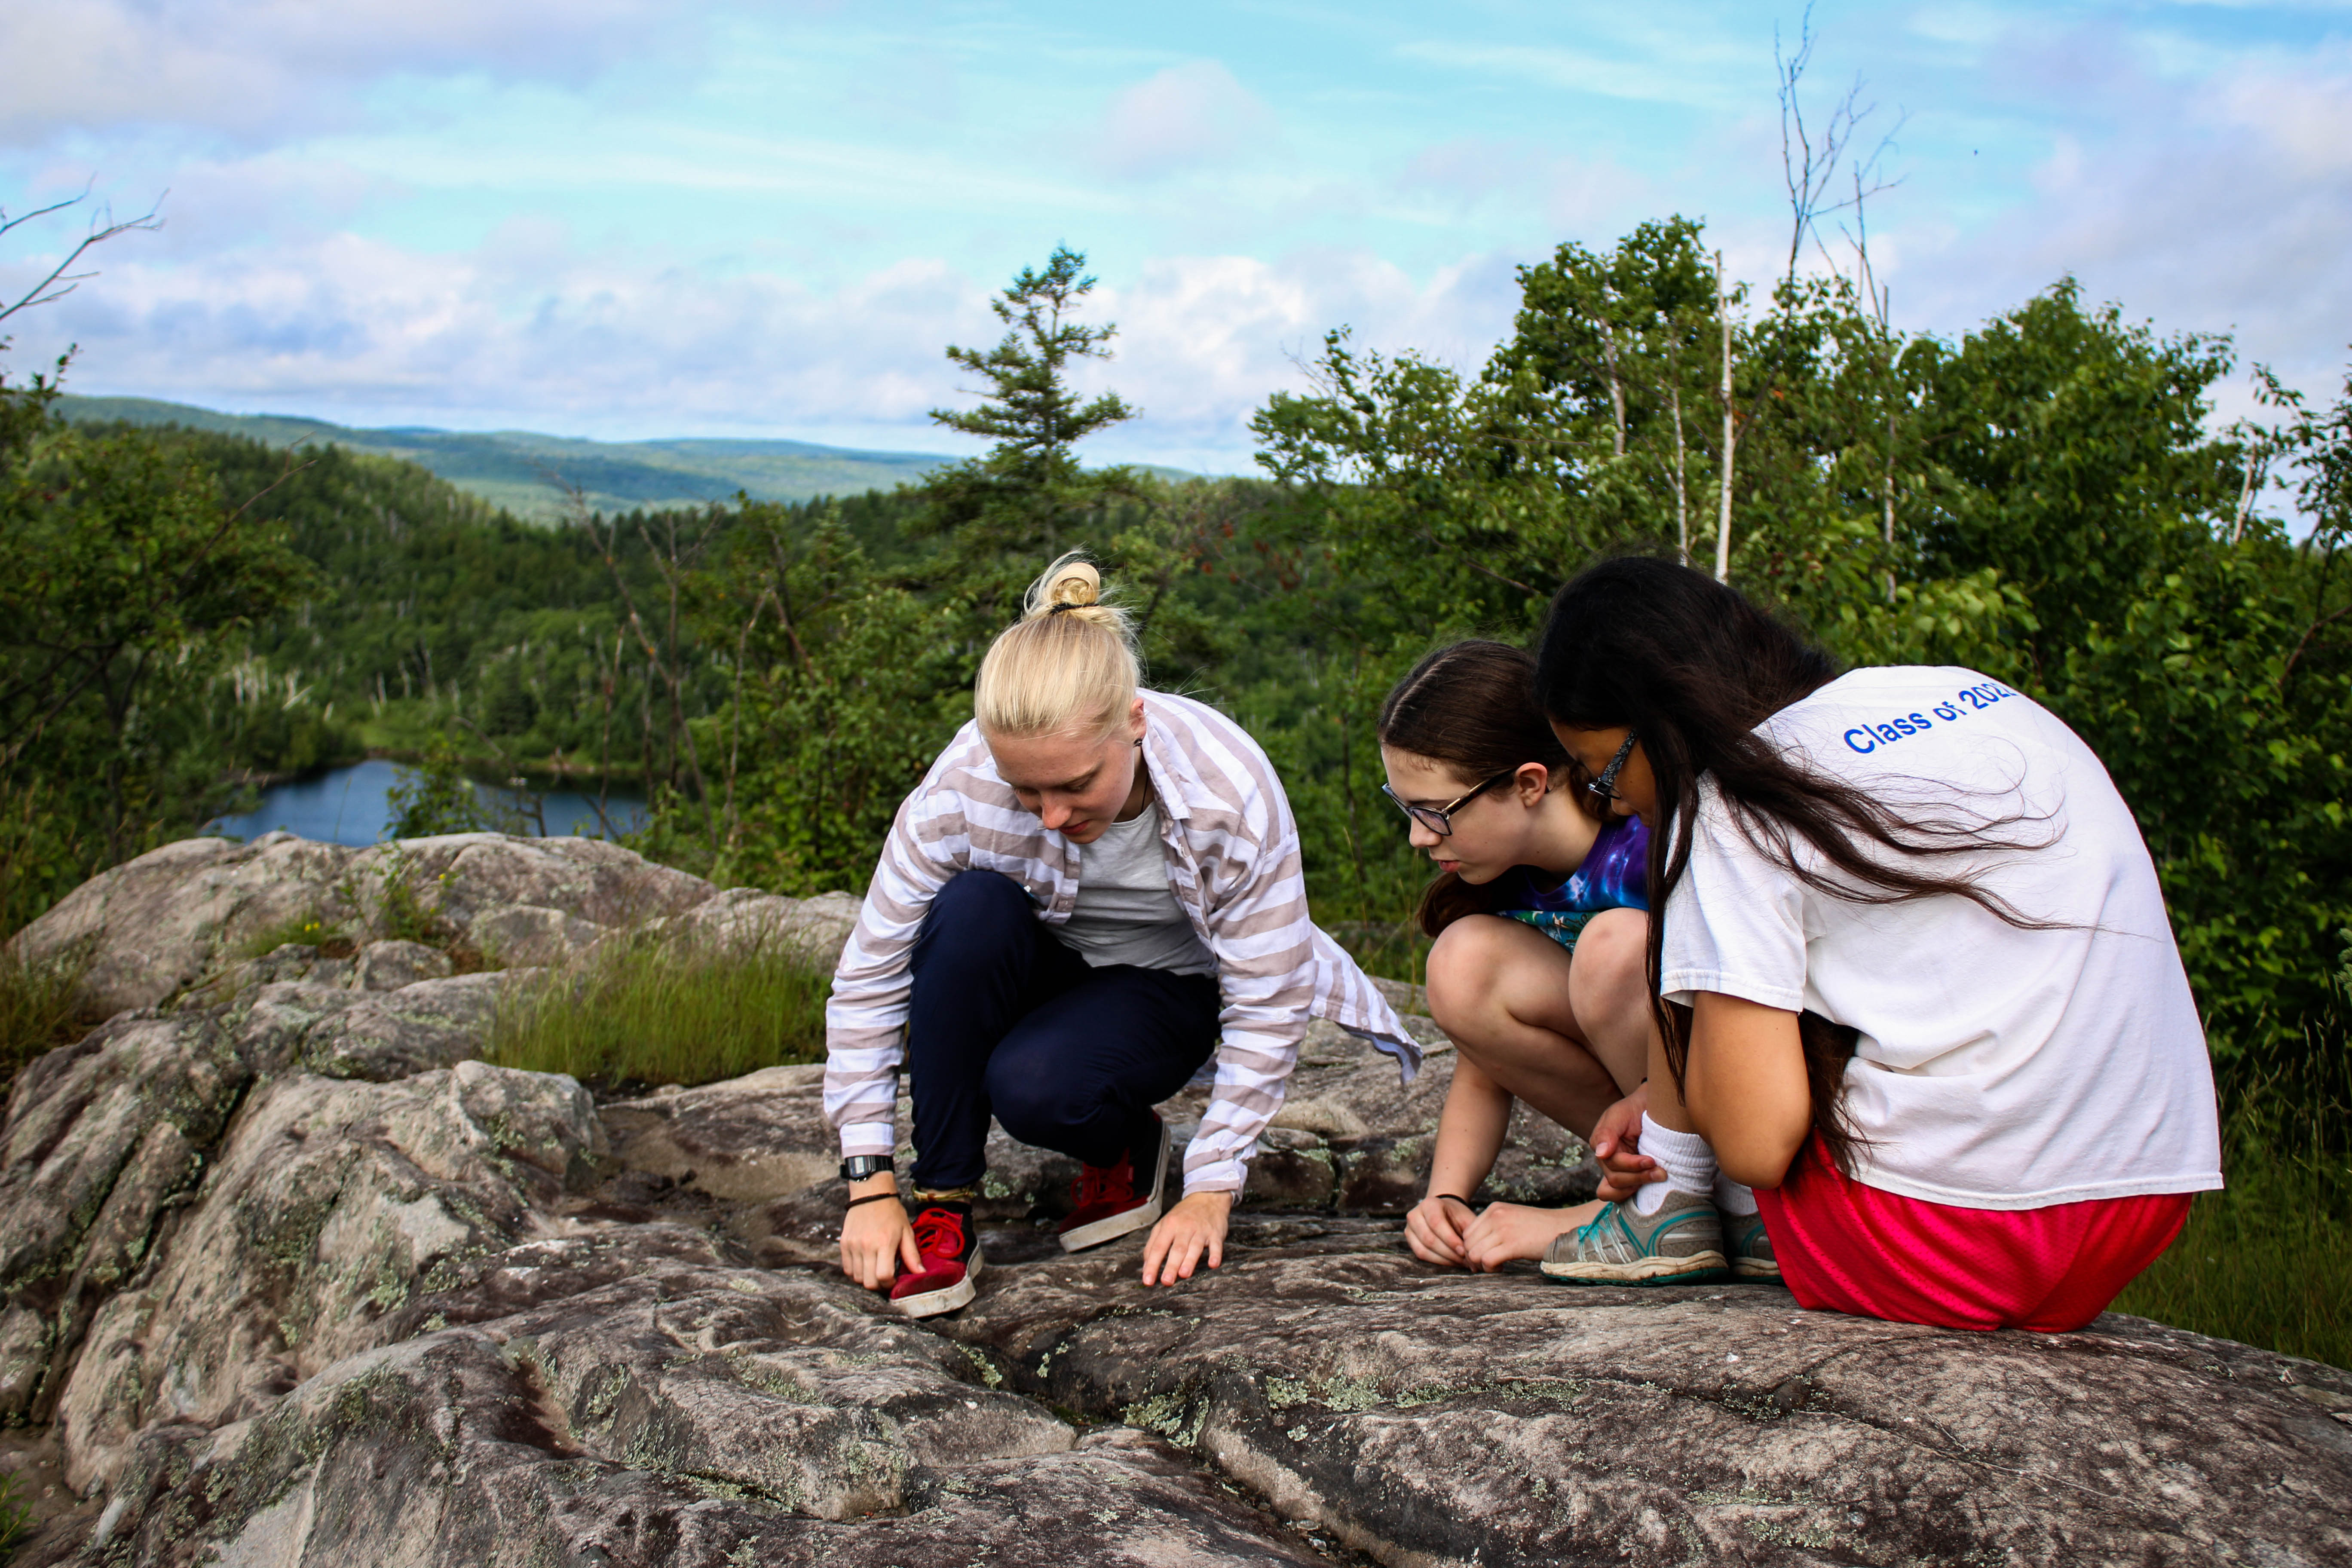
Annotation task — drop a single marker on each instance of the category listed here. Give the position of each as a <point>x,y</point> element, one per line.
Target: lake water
<point>352,806</point>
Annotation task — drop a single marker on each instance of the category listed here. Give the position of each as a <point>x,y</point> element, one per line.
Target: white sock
<point>1731,1198</point>
<point>1686,1158</point>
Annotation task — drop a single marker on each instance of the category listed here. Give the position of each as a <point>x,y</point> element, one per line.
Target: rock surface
<point>289,1279</point>
<point>329,1204</point>
<point>156,926</point>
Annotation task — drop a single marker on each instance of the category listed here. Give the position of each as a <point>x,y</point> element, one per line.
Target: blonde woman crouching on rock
<point>1539,914</point>
<point>1093,893</point>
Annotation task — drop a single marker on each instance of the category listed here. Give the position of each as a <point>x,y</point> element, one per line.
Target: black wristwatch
<point>857,1167</point>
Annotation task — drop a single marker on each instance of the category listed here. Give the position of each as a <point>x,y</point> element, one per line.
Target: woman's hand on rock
<point>1505,1233</point>
<point>875,1238</point>
<point>1433,1229</point>
<point>1616,1143</point>
<point>1195,1225</point>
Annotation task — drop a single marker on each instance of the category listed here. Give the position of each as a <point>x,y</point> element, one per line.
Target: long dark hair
<point>1471,707</point>
<point>1693,667</point>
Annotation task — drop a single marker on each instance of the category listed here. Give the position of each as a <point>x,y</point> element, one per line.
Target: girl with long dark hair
<point>1537,909</point>
<point>1913,981</point>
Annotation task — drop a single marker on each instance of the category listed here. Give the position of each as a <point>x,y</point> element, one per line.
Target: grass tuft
<point>38,1010</point>
<point>16,1515</point>
<point>2268,1260</point>
<point>303,931</point>
<point>649,1012</point>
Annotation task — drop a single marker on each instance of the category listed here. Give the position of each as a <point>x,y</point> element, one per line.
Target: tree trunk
<point>1616,393</point>
<point>1886,494</point>
<point>1730,431</point>
<point>1682,487</point>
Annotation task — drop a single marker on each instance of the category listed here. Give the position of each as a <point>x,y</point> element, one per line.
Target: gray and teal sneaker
<point>1749,1249</point>
<point>1682,1244</point>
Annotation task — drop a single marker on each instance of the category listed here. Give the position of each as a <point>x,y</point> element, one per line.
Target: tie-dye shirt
<point>1615,876</point>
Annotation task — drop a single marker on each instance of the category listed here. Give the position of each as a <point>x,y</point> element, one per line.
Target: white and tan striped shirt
<point>1233,860</point>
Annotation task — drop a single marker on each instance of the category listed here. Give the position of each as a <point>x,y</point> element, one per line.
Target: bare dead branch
<point>1810,159</point>
<point>62,280</point>
<point>2304,641</point>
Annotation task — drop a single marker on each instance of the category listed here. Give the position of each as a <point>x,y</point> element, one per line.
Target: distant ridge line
<point>509,467</point>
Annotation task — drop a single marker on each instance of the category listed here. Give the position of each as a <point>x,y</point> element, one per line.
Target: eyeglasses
<point>1439,819</point>
<point>1604,788</point>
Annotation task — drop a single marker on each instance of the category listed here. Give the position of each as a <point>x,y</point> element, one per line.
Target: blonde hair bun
<point>1069,663</point>
<point>1068,581</point>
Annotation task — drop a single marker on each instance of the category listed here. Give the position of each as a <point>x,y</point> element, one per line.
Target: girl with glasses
<point>1538,911</point>
<point>1914,979</point>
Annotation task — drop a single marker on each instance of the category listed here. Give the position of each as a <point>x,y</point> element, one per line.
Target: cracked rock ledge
<point>292,1279</point>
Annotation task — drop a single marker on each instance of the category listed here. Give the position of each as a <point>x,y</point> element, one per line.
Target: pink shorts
<point>1846,1248</point>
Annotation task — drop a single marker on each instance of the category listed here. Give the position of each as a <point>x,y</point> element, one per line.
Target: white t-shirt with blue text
<point>1997,1067</point>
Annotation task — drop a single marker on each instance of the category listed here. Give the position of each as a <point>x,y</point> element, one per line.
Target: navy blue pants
<point>1005,1020</point>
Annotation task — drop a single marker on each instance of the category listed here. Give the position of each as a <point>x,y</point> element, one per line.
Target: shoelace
<point>934,1227</point>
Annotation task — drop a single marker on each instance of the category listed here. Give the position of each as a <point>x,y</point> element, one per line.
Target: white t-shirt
<point>1127,911</point>
<point>1997,1067</point>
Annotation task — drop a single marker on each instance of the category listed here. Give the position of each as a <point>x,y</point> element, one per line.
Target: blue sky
<point>619,219</point>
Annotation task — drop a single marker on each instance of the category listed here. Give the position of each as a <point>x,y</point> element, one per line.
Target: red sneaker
<point>951,1253</point>
<point>1113,1200</point>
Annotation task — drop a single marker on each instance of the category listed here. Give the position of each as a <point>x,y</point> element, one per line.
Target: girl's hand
<point>1435,1227</point>
<point>875,1239</point>
<point>1507,1232</point>
<point>1197,1224</point>
<point>1616,1139</point>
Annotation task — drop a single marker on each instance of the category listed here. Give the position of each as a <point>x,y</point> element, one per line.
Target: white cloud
<point>1183,117</point>
<point>530,331</point>
<point>1204,340</point>
<point>253,68</point>
<point>2218,206</point>
<point>525,330</point>
<point>2303,112</point>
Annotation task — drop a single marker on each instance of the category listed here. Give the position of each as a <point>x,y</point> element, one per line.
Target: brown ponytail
<point>1470,707</point>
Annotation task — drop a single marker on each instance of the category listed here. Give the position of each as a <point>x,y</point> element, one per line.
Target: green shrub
<point>436,796</point>
<point>2267,1260</point>
<point>650,1013</point>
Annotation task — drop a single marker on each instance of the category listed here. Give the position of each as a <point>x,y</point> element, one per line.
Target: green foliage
<point>848,685</point>
<point>401,910</point>
<point>51,840</point>
<point>436,796</point>
<point>1024,494</point>
<point>2040,500</point>
<point>2268,1260</point>
<point>126,585</point>
<point>445,618</point>
<point>645,1012</point>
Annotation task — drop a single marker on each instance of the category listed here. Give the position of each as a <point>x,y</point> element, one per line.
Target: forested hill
<point>421,615</point>
<point>525,472</point>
